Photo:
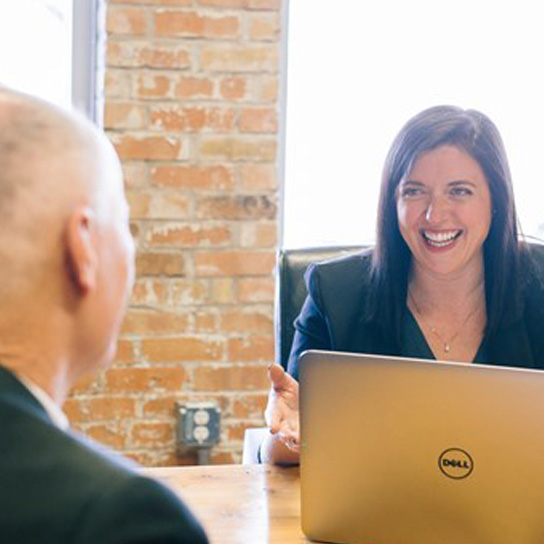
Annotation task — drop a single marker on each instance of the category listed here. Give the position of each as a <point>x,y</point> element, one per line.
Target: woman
<point>448,279</point>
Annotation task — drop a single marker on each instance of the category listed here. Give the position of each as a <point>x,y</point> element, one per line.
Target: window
<point>358,70</point>
<point>49,50</point>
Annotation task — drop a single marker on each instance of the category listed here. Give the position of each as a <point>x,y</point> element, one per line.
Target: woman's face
<point>444,211</point>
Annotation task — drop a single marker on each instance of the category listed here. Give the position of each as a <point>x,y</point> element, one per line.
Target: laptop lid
<point>407,451</point>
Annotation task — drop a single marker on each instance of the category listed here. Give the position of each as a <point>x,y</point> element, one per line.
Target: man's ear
<point>80,250</point>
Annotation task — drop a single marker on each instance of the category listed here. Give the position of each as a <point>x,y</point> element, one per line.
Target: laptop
<point>408,451</point>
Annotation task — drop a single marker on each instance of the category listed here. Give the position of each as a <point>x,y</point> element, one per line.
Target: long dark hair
<point>475,134</point>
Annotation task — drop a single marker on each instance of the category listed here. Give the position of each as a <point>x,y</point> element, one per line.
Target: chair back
<point>291,290</point>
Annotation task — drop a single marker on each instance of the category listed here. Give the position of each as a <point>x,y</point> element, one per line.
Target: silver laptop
<point>406,451</point>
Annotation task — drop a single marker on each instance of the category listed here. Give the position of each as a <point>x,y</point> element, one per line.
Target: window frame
<point>88,40</point>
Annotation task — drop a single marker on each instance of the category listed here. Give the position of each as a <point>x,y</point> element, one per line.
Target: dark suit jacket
<point>332,315</point>
<point>55,488</point>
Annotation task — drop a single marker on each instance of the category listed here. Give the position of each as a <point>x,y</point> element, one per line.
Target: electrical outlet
<point>198,424</point>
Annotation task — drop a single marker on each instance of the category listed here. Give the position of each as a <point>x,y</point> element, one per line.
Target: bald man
<point>66,270</point>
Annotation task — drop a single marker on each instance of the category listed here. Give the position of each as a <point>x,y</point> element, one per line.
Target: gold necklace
<point>447,343</point>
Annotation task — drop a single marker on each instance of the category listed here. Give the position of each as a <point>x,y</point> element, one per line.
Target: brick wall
<point>192,108</point>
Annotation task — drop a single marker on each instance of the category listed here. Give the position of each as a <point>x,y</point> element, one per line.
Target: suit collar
<point>13,392</point>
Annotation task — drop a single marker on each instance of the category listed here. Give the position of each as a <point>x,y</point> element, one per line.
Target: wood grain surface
<point>240,504</point>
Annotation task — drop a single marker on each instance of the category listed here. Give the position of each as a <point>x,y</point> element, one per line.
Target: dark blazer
<point>56,488</point>
<point>332,315</point>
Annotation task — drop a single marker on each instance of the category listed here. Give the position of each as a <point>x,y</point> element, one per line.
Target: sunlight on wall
<point>358,70</point>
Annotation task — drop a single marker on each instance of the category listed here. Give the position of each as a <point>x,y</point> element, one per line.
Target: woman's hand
<point>282,409</point>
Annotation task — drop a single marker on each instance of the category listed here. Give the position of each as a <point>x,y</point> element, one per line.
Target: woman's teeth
<point>441,239</point>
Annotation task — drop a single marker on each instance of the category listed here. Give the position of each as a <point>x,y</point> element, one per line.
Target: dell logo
<point>455,463</point>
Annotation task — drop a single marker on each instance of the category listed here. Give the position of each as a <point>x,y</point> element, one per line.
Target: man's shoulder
<point>95,489</point>
<point>137,504</point>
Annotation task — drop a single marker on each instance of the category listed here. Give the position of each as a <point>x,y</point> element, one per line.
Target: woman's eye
<point>408,192</point>
<point>460,191</point>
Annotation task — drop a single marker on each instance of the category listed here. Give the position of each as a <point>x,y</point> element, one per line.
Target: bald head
<point>66,252</point>
<point>50,162</point>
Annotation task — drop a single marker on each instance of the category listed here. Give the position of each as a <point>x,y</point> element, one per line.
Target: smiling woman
<point>444,215</point>
<point>444,206</point>
<point>449,277</point>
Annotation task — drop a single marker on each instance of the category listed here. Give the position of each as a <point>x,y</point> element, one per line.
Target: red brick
<point>233,88</point>
<point>258,177</point>
<point>135,230</point>
<point>238,148</point>
<point>139,204</point>
<point>150,292</point>
<point>181,349</point>
<point>206,322</point>
<point>253,348</point>
<point>126,21</point>
<point>192,177</point>
<point>191,119</point>
<point>189,292</point>
<point>249,406</point>
<point>158,2</point>
<point>142,55</point>
<point>159,206</point>
<point>264,4</point>
<point>224,3</point>
<point>264,28</point>
<point>117,83</point>
<point>123,115</point>
<point>148,380</point>
<point>176,235</point>
<point>259,234</point>
<point>152,435</point>
<point>87,385</point>
<point>144,322</point>
<point>222,291</point>
<point>235,431</point>
<point>265,88</point>
<point>240,207</point>
<point>110,434</point>
<point>73,409</point>
<point>173,23</point>
<point>258,120</point>
<point>152,86</point>
<point>256,289</point>
<point>125,352</point>
<point>159,457</point>
<point>135,174</point>
<point>148,147</point>
<point>234,263</point>
<point>231,378</point>
<point>200,292</point>
<point>247,320</point>
<point>194,87</point>
<point>164,406</point>
<point>223,458</point>
<point>99,409</point>
<point>157,264</point>
<point>239,58</point>
<point>172,206</point>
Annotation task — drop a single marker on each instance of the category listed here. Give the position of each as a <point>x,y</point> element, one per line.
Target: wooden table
<point>240,504</point>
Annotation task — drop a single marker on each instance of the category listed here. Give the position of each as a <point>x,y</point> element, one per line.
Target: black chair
<point>290,294</point>
<point>291,290</point>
